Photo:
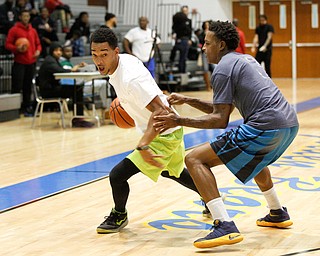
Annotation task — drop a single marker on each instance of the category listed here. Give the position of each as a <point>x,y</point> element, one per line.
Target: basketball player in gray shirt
<point>270,125</point>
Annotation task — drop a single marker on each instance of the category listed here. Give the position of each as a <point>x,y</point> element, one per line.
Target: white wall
<point>209,9</point>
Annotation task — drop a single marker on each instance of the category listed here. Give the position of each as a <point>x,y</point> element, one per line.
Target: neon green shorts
<point>171,146</point>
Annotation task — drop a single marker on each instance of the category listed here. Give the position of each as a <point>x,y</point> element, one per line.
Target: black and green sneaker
<point>206,212</point>
<point>113,223</point>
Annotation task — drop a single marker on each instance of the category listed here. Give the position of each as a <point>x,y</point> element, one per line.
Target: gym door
<point>307,34</point>
<point>281,62</point>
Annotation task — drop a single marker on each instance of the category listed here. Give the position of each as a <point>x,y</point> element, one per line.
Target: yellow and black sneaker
<point>223,233</point>
<point>276,218</point>
<point>113,223</point>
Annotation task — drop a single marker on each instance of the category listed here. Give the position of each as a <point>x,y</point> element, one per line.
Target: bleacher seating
<point>192,80</point>
<point>9,103</point>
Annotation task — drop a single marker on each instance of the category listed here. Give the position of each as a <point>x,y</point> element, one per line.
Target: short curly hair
<point>225,31</point>
<point>104,35</point>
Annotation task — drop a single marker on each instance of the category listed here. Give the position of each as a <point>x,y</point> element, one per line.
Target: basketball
<point>119,116</point>
<point>22,41</point>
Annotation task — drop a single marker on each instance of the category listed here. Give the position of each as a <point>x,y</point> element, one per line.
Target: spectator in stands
<point>65,59</point>
<point>82,24</point>
<point>6,16</point>
<point>59,11</point>
<point>50,87</point>
<point>110,20</point>
<point>181,31</point>
<point>25,58</point>
<point>139,41</point>
<point>25,5</point>
<point>77,43</point>
<point>45,27</point>
<point>242,43</point>
<point>207,68</point>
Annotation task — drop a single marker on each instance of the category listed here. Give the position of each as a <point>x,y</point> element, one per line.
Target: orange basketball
<point>119,116</point>
<point>22,41</point>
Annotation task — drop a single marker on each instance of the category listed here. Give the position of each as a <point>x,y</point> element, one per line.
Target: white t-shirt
<point>135,89</point>
<point>142,42</point>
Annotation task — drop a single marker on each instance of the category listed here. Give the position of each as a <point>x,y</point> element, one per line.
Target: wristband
<point>142,148</point>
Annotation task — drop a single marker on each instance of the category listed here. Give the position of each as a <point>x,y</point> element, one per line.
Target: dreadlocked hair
<point>225,31</point>
<point>104,35</point>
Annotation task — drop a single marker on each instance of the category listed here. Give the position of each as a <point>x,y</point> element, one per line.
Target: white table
<point>86,76</point>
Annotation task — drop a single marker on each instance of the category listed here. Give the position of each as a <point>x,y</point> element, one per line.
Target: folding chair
<point>41,101</point>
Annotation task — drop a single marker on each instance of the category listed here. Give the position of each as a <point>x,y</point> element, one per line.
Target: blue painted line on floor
<point>35,189</point>
<point>32,190</point>
<point>309,104</point>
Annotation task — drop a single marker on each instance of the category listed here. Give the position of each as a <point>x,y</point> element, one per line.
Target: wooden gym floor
<point>67,169</point>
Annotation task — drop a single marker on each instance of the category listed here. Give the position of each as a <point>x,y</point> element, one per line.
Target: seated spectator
<point>7,16</point>
<point>45,27</point>
<point>82,24</point>
<point>110,20</point>
<point>100,85</point>
<point>50,87</point>
<point>59,11</point>
<point>25,5</point>
<point>77,44</point>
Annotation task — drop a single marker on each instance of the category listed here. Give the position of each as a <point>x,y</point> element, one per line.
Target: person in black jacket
<point>182,29</point>
<point>45,27</point>
<point>7,16</point>
<point>51,88</point>
<point>81,24</point>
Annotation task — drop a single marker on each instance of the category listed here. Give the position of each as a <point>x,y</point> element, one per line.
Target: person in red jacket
<point>242,43</point>
<point>23,68</point>
<point>59,11</point>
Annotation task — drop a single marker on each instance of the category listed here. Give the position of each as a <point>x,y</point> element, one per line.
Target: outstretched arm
<point>179,99</point>
<point>218,118</point>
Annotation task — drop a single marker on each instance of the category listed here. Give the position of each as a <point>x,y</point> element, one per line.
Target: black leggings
<point>125,169</point>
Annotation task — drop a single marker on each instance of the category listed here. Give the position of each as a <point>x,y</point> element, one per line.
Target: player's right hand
<point>149,157</point>
<point>176,99</point>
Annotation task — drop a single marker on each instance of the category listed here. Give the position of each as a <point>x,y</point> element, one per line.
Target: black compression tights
<point>125,169</point>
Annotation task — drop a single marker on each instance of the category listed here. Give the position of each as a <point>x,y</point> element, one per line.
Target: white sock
<point>272,199</point>
<point>218,210</point>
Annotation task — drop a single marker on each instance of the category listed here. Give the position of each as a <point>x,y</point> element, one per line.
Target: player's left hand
<point>149,157</point>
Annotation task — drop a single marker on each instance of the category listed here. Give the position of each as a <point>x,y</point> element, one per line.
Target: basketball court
<point>55,191</point>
